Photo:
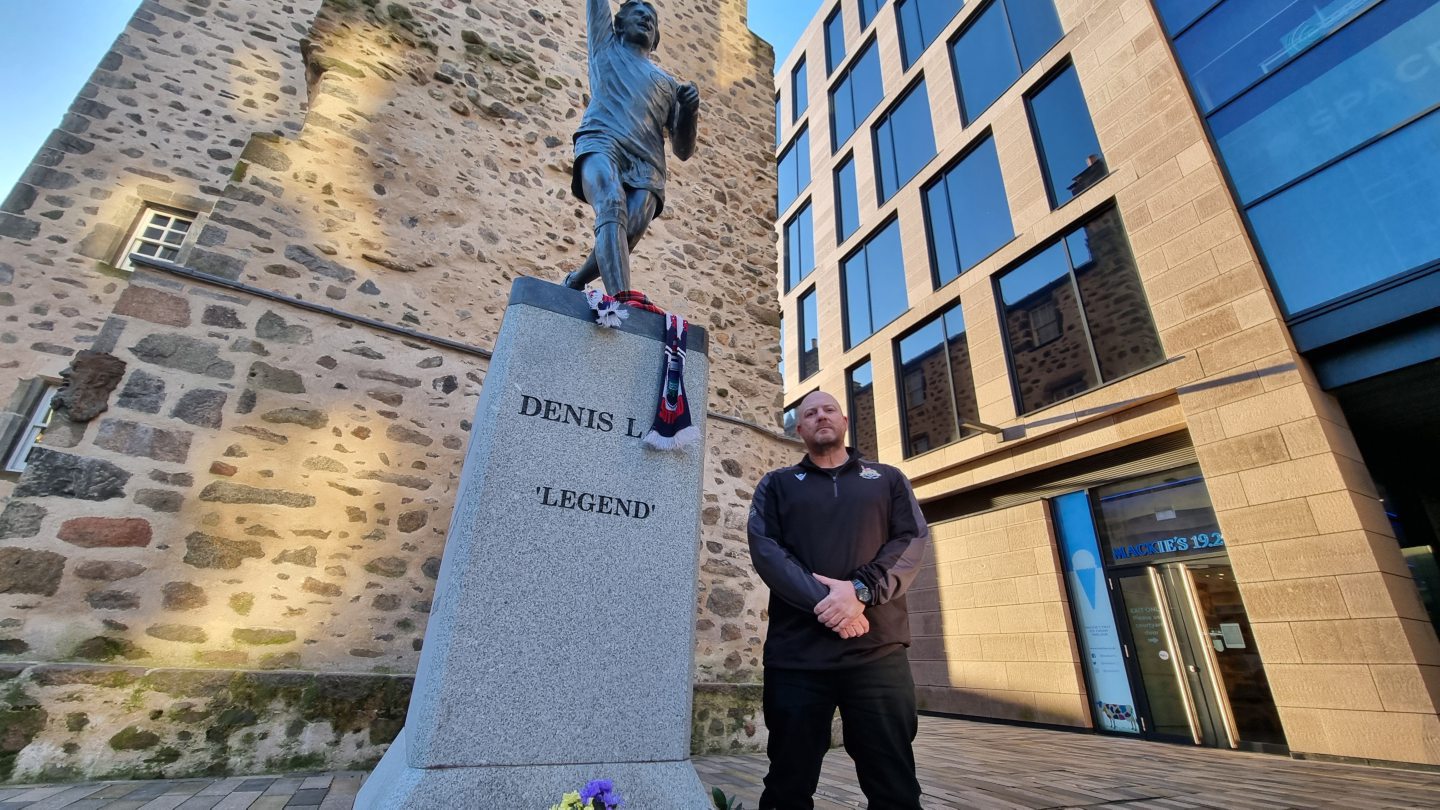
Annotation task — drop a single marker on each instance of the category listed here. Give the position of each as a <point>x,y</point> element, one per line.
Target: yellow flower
<point>571,801</point>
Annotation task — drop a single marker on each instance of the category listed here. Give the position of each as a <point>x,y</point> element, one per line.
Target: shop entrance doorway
<point>1193,655</point>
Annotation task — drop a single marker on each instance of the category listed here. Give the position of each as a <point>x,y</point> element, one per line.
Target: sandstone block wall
<point>259,514</point>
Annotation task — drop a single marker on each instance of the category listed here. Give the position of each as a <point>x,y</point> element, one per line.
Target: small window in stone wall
<point>159,234</point>
<point>28,425</point>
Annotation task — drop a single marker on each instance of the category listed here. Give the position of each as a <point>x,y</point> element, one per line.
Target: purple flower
<point>604,790</point>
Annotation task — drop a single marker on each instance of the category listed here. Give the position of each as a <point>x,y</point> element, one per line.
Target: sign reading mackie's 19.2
<point>1200,541</point>
<point>578,415</point>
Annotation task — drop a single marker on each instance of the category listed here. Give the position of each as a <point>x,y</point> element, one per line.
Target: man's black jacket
<point>858,521</point>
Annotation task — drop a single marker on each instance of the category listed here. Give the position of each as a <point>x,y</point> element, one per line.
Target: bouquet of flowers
<point>598,794</point>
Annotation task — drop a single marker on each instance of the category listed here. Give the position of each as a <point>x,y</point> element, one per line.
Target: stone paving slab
<point>962,764</point>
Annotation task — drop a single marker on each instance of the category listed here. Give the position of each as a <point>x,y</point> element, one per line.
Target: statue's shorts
<point>635,173</point>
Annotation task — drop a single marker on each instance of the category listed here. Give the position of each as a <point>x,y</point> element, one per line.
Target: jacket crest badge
<point>799,476</point>
<point>869,473</point>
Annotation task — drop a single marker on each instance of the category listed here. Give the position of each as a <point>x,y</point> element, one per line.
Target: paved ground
<point>961,764</point>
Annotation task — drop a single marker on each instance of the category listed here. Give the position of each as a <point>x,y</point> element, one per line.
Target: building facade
<point>1148,319</point>
<point>269,247</point>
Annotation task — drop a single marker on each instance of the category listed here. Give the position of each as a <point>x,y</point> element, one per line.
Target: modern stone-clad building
<point>1141,295</point>
<point>269,245</point>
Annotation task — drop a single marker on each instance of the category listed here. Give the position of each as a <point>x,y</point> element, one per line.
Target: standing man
<point>620,145</point>
<point>838,539</point>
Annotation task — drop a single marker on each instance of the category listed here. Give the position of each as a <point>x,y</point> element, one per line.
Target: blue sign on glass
<point>1099,639</point>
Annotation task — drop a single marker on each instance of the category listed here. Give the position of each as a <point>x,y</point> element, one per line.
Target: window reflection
<point>857,94</point>
<point>868,10</point>
<point>834,41</point>
<point>1373,75</point>
<point>936,386</point>
<point>999,43</point>
<point>861,385</point>
<point>1358,222</point>
<point>967,212</point>
<point>874,285</point>
<point>809,335</point>
<point>799,90</point>
<point>1243,40</point>
<point>904,141</point>
<point>847,200</point>
<point>921,21</point>
<point>794,170</point>
<point>1076,315</point>
<point>1068,147</point>
<point>799,247</point>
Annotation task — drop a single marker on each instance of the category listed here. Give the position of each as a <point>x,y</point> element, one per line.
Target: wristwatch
<point>862,591</point>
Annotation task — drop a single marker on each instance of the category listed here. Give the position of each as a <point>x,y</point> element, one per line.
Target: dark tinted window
<point>834,41</point>
<point>861,385</point>
<point>1242,40</point>
<point>904,141</point>
<point>967,213</point>
<point>1069,150</point>
<point>779,122</point>
<point>874,285</point>
<point>868,10</point>
<point>858,93</point>
<point>799,247</point>
<point>794,170</point>
<point>997,45</point>
<point>847,200</point>
<point>1314,110</point>
<point>809,335</point>
<point>1369,217</point>
<point>1076,315</point>
<point>921,21</point>
<point>799,91</point>
<point>936,387</point>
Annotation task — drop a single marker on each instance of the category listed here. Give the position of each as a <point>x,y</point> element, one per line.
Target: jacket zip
<point>835,482</point>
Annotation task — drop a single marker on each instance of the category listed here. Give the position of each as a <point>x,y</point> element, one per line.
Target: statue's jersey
<point>630,103</point>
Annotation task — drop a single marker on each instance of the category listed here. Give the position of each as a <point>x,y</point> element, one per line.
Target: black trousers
<point>877,712</point>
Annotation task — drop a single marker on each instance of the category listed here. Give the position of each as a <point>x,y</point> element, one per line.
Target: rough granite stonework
<point>398,163</point>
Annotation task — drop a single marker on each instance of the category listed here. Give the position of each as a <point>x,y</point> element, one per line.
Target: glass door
<point>1229,649</point>
<point>1168,709</point>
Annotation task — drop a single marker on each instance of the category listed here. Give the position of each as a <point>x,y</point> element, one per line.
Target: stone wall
<point>257,516</point>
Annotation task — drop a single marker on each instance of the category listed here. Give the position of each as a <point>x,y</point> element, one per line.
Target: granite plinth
<point>560,642</point>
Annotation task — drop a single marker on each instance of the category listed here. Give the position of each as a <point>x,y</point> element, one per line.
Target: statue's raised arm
<point>620,145</point>
<point>599,24</point>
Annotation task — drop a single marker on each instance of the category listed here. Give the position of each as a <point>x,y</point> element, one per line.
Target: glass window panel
<point>985,61</point>
<point>1054,369</point>
<point>799,247</point>
<point>868,10</point>
<point>847,200</point>
<point>1036,28</point>
<point>180,225</point>
<point>908,144</point>
<point>809,336</point>
<point>921,21</point>
<point>1122,331</point>
<point>858,324</point>
<point>1179,13</point>
<point>939,219</point>
<point>928,414</point>
<point>175,237</point>
<point>799,91</point>
<point>1360,221</point>
<point>1243,40</point>
<point>887,276</point>
<point>1315,109</point>
<point>790,420</point>
<point>779,122</point>
<point>979,213</point>
<point>147,249</point>
<point>874,285</point>
<point>859,92</point>
<point>160,220</point>
<point>1068,146</point>
<point>780,367</point>
<point>962,381</point>
<point>169,254</point>
<point>834,41</point>
<point>862,411</point>
<point>794,171</point>
<point>154,233</point>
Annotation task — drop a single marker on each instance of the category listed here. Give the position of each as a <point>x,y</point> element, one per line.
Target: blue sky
<point>48,48</point>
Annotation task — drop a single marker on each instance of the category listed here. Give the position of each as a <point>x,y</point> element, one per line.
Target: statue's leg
<point>641,206</point>
<point>600,178</point>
